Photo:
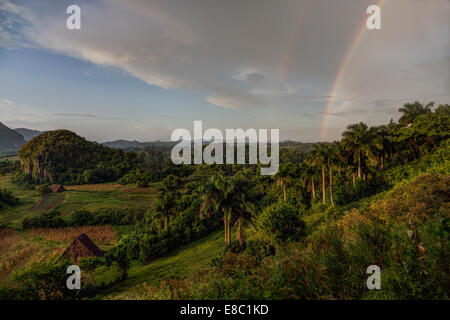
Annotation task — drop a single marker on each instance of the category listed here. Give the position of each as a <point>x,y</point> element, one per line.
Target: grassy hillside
<point>177,265</point>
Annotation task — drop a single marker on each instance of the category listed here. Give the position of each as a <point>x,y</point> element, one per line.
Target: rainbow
<point>342,70</point>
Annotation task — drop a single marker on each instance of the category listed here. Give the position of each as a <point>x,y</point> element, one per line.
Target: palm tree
<point>317,158</point>
<point>282,176</point>
<point>358,140</point>
<point>218,197</point>
<point>332,160</point>
<point>166,207</point>
<point>243,203</point>
<point>412,110</point>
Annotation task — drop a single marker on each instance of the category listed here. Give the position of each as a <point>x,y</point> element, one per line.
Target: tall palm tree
<point>218,197</point>
<point>282,177</point>
<point>332,160</point>
<point>166,207</point>
<point>243,204</point>
<point>358,140</point>
<point>412,110</point>
<point>317,158</point>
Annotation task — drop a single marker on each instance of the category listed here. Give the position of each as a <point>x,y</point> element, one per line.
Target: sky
<point>139,69</point>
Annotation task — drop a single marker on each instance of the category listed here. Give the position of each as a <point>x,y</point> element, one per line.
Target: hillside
<point>62,156</point>
<point>28,134</point>
<point>10,139</point>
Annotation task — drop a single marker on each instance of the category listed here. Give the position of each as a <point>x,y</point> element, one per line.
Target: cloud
<point>64,114</point>
<point>255,77</point>
<point>254,54</point>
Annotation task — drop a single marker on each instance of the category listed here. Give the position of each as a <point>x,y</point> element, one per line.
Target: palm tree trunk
<point>331,187</point>
<point>225,226</point>
<point>229,228</point>
<point>313,189</point>
<point>323,184</point>
<point>359,164</point>
<point>240,232</point>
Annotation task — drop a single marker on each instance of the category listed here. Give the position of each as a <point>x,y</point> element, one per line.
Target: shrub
<point>282,222</point>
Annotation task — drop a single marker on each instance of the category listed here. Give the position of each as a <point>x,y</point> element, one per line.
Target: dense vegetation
<point>63,157</point>
<point>378,196</point>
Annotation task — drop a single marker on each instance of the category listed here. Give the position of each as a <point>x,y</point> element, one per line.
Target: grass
<point>13,216</point>
<point>177,264</point>
<point>88,197</point>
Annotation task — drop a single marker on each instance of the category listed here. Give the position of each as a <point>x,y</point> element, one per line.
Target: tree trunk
<point>410,147</point>
<point>284,192</point>
<point>359,164</point>
<point>331,187</point>
<point>123,274</point>
<point>323,184</point>
<point>240,232</point>
<point>313,189</point>
<point>225,227</point>
<point>354,178</point>
<point>229,228</point>
<point>166,222</point>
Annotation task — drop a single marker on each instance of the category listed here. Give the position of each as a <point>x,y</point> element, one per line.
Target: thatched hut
<point>57,188</point>
<point>82,247</point>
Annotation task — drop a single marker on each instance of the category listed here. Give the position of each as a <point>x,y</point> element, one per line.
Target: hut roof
<point>83,239</point>
<point>57,188</point>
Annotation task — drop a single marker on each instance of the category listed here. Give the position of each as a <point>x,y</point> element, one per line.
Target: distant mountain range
<point>28,134</point>
<point>10,140</point>
<point>136,145</point>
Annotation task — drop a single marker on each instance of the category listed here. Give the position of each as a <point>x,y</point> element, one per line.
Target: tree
<point>119,255</point>
<point>317,158</point>
<point>218,197</point>
<point>332,158</point>
<point>243,203</point>
<point>282,221</point>
<point>166,207</point>
<point>282,176</point>
<point>358,140</point>
<point>412,110</point>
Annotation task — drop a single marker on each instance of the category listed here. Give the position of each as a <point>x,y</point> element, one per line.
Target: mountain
<point>138,146</point>
<point>63,157</point>
<point>10,140</point>
<point>125,144</point>
<point>28,134</point>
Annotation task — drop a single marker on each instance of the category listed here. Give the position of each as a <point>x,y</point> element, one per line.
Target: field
<point>178,264</point>
<point>89,197</point>
<point>19,249</point>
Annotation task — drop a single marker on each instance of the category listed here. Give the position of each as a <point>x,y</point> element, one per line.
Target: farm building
<point>82,247</point>
<point>57,188</point>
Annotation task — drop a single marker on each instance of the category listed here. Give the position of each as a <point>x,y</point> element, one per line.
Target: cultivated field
<point>83,197</point>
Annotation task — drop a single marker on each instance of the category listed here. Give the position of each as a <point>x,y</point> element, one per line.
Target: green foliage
<point>7,198</point>
<point>50,219</point>
<point>40,281</point>
<point>63,157</point>
<point>282,221</point>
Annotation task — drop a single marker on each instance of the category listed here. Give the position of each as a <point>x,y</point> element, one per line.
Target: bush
<point>51,219</point>
<point>282,222</point>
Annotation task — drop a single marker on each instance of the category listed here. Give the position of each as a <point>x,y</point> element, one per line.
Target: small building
<point>57,188</point>
<point>82,247</point>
